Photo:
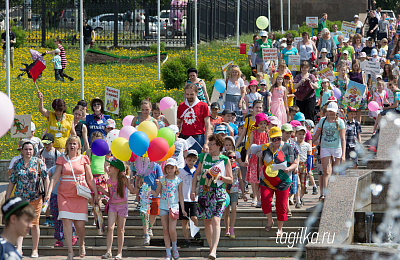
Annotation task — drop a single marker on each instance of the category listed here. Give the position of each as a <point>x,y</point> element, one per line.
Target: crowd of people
<point>274,132</point>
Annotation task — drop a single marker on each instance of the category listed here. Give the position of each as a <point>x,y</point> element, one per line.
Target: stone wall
<point>4,170</point>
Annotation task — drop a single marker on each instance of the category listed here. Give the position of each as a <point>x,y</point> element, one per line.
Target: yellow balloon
<point>120,149</point>
<point>149,128</point>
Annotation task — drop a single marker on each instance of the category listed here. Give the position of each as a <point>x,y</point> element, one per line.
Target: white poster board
<point>294,62</point>
<point>270,54</point>
<point>21,127</point>
<point>372,67</point>
<point>111,98</point>
<point>312,21</point>
<point>348,27</point>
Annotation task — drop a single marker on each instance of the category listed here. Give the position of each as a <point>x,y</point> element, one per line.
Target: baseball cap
<point>374,52</point>
<point>22,142</point>
<point>332,106</point>
<point>310,123</point>
<point>355,16</point>
<point>364,55</point>
<point>263,34</point>
<point>351,109</point>
<point>370,39</point>
<point>110,123</point>
<point>299,117</point>
<point>301,128</point>
<point>295,123</point>
<point>117,164</point>
<point>284,45</point>
<point>346,52</point>
<point>174,128</point>
<point>287,127</point>
<point>275,132</point>
<point>227,111</point>
<point>241,123</point>
<point>378,76</point>
<point>220,129</point>
<point>57,50</point>
<point>397,56</point>
<point>192,151</point>
<point>48,138</point>
<point>324,50</point>
<point>283,39</point>
<point>171,161</point>
<point>11,205</point>
<point>332,99</point>
<point>215,105</point>
<point>263,82</point>
<point>33,127</point>
<point>345,39</point>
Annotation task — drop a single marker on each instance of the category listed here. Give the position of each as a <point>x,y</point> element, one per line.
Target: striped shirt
<point>62,55</point>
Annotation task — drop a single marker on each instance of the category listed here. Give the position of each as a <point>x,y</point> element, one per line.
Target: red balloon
<point>158,148</point>
<point>133,157</point>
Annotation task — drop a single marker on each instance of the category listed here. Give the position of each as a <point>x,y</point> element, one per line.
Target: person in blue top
<point>97,120</point>
<point>289,50</point>
<point>231,128</point>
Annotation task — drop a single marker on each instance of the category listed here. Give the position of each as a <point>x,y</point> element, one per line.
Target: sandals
<point>279,234</point>
<point>107,255</point>
<point>322,198</point>
<point>289,214</point>
<point>268,227</point>
<point>117,257</point>
<point>82,251</point>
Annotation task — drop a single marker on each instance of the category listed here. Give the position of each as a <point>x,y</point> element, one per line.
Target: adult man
<point>383,27</point>
<point>194,119</point>
<point>13,40</point>
<point>373,25</point>
<point>18,216</point>
<point>322,22</point>
<point>335,30</point>
<point>89,35</point>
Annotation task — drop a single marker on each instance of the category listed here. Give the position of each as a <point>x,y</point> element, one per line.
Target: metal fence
<point>132,23</point>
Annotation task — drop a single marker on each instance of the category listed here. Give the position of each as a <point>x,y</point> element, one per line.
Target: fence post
<point>226,18</point>
<point>116,23</point>
<point>44,18</point>
<point>189,25</point>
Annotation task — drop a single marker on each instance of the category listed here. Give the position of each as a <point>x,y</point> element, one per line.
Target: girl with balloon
<point>380,98</point>
<point>145,108</point>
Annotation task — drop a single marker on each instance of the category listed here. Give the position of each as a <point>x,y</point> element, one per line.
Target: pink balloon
<point>337,93</point>
<point>127,120</point>
<point>166,102</point>
<point>373,106</point>
<point>7,113</point>
<point>126,131</point>
<point>158,148</point>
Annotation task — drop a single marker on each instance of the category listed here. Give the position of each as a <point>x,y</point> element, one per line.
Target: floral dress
<point>278,104</point>
<point>251,176</point>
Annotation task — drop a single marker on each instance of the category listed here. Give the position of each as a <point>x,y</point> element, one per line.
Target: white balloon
<point>111,136</point>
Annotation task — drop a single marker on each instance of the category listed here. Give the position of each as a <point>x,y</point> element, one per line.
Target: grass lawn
<point>122,76</point>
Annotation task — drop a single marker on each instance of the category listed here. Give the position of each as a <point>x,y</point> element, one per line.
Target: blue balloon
<point>220,85</point>
<point>100,147</point>
<point>335,39</point>
<point>138,143</point>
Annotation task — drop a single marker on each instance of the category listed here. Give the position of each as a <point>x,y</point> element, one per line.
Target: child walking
<point>233,190</point>
<point>117,205</point>
<point>170,187</point>
<point>353,136</point>
<point>258,136</point>
<point>156,113</point>
<point>57,65</point>
<point>379,96</point>
<point>279,106</point>
<point>322,62</point>
<point>326,92</point>
<point>252,96</point>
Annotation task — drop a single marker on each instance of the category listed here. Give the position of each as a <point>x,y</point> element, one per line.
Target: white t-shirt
<point>304,149</point>
<point>180,147</point>
<point>234,88</point>
<point>186,184</point>
<point>253,56</point>
<point>359,24</point>
<point>396,72</point>
<point>13,161</point>
<point>252,97</point>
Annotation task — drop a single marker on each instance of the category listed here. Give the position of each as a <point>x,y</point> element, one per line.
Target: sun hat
<point>374,52</point>
<point>171,161</point>
<point>283,39</point>
<point>110,123</point>
<point>11,205</point>
<point>295,123</point>
<point>117,164</point>
<point>287,127</point>
<point>231,138</point>
<point>263,34</point>
<point>48,138</point>
<point>364,55</point>
<point>324,50</point>
<point>174,128</point>
<point>310,123</point>
<point>253,82</point>
<point>345,39</point>
<point>275,132</point>
<point>33,127</point>
<point>378,76</point>
<point>260,117</point>
<point>332,106</point>
<point>345,52</point>
<point>284,45</point>
<point>299,117</point>
<point>332,99</point>
<point>351,109</point>
<point>301,128</point>
<point>324,80</point>
<point>355,16</point>
<point>99,100</point>
<point>57,50</point>
<point>274,120</point>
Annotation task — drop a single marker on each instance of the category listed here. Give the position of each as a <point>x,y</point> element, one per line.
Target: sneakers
<point>175,254</point>
<point>47,223</point>
<point>197,236</point>
<point>168,257</point>
<point>150,232</point>
<point>258,204</point>
<point>315,190</point>
<point>254,203</point>
<point>146,240</point>
<point>59,243</point>
<point>74,240</point>
<point>185,244</point>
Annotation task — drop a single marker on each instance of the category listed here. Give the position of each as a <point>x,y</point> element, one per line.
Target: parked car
<point>390,13</point>
<point>173,23</point>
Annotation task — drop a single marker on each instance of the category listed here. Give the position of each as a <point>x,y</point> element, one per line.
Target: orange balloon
<point>171,151</point>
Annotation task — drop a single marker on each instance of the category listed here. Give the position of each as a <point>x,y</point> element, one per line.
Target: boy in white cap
<point>57,65</point>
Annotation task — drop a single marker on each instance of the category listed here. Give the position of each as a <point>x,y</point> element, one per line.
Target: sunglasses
<point>232,157</point>
<point>96,104</point>
<point>276,139</point>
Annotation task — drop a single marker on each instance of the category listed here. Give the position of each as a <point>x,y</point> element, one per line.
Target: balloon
<point>149,128</point>
<point>143,166</point>
<point>337,93</point>
<point>170,152</point>
<point>167,134</point>
<point>373,106</point>
<point>220,85</point>
<point>158,148</point>
<point>126,131</point>
<point>127,120</point>
<point>100,147</point>
<point>133,157</point>
<point>335,40</point>
<point>138,143</point>
<point>262,22</point>
<point>166,102</point>
<point>120,149</point>
<point>111,136</point>
<point>6,114</point>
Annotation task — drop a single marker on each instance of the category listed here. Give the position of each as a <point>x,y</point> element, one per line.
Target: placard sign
<point>296,41</point>
<point>326,74</point>
<point>348,27</point>
<point>270,54</point>
<point>294,62</point>
<point>312,22</point>
<point>112,100</point>
<point>372,67</point>
<point>21,127</point>
<point>354,94</point>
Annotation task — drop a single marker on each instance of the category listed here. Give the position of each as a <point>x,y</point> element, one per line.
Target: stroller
<point>35,57</point>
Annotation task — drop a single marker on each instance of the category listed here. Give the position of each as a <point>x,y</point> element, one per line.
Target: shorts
<point>154,207</point>
<point>163,212</point>
<point>190,208</point>
<point>234,197</point>
<point>37,205</point>
<point>354,158</point>
<point>328,152</point>
<point>303,175</point>
<point>120,209</point>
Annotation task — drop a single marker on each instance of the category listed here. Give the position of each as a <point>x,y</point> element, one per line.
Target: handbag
<point>173,213</point>
<point>304,91</point>
<point>40,184</point>
<point>81,190</point>
<point>313,57</point>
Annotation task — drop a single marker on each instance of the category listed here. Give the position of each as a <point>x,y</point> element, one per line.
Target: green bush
<point>245,69</point>
<point>173,72</point>
<point>49,44</point>
<point>153,47</point>
<point>20,36</point>
<point>205,72</point>
<point>125,105</point>
<point>279,35</point>
<point>144,91</point>
<point>293,32</point>
<point>187,61</point>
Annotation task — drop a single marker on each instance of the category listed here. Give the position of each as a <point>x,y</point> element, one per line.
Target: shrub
<point>20,36</point>
<point>279,35</point>
<point>245,69</point>
<point>153,47</point>
<point>144,91</point>
<point>173,72</point>
<point>205,72</point>
<point>125,105</point>
<point>49,44</point>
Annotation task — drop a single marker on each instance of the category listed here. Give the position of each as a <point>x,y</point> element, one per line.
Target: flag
<point>36,70</point>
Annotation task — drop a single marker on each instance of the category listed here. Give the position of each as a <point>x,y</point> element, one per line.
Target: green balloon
<point>167,134</point>
<point>262,22</point>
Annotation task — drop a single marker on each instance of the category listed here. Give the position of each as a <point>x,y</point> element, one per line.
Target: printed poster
<point>326,74</point>
<point>112,100</point>
<point>224,68</point>
<point>372,67</point>
<point>312,21</point>
<point>270,54</point>
<point>348,27</point>
<point>294,63</point>
<point>21,127</point>
<point>354,94</point>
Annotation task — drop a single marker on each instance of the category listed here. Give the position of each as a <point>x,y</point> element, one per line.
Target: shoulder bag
<point>304,91</point>
<point>81,190</point>
<point>320,138</point>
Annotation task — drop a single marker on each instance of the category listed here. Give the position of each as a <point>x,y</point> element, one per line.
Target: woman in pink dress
<point>279,107</point>
<point>73,208</point>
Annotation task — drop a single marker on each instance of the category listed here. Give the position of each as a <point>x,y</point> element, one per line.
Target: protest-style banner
<point>326,74</point>
<point>348,27</point>
<point>312,21</point>
<point>372,67</point>
<point>354,94</point>
<point>294,62</point>
<point>112,100</point>
<point>270,54</point>
<point>21,127</point>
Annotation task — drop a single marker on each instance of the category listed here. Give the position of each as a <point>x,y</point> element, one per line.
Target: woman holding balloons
<point>211,197</point>
<point>145,108</point>
<point>96,121</point>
